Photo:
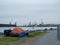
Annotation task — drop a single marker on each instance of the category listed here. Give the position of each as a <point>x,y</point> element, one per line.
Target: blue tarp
<point>22,34</point>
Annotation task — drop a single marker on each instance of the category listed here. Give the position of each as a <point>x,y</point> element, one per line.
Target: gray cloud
<point>30,10</point>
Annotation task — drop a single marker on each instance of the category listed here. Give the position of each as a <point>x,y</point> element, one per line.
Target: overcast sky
<point>24,11</point>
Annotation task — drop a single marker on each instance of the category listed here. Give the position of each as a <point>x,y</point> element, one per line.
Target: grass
<point>33,34</point>
<point>8,39</point>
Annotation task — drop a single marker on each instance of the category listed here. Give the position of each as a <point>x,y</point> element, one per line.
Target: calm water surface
<point>26,28</point>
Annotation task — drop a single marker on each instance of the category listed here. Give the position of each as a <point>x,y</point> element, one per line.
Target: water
<point>26,28</point>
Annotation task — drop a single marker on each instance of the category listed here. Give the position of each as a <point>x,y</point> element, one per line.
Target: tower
<point>42,22</point>
<point>10,23</point>
<point>15,23</point>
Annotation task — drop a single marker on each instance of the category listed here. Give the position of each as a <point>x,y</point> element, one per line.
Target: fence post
<point>58,32</point>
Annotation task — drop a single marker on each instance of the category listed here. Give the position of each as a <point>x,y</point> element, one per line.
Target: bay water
<point>26,28</point>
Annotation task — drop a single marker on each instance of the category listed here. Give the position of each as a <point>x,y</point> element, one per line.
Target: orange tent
<point>17,30</point>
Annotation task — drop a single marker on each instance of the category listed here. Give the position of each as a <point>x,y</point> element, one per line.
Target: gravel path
<point>48,39</point>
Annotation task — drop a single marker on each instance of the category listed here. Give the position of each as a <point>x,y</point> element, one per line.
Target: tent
<point>17,31</point>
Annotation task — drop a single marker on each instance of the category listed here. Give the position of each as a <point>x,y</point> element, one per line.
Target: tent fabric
<point>17,30</point>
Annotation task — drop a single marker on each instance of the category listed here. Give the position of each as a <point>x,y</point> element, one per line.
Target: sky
<point>25,11</point>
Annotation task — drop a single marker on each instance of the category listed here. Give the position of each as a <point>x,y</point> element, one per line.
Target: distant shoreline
<point>7,25</point>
